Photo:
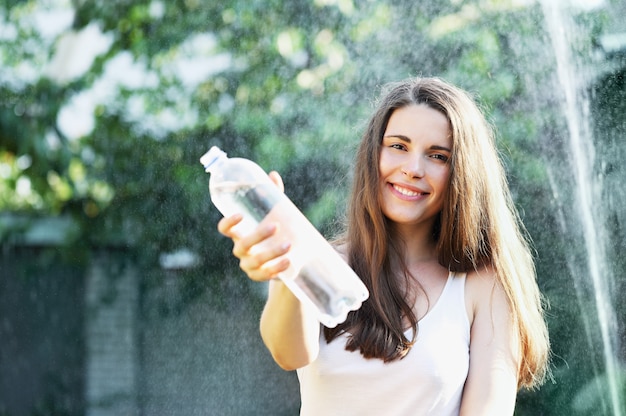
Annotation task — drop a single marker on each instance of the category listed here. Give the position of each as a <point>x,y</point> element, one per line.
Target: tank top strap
<point>457,281</point>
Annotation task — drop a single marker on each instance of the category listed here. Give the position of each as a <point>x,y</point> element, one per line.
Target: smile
<point>406,192</point>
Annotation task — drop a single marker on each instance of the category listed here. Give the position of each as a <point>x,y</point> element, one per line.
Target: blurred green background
<point>117,294</point>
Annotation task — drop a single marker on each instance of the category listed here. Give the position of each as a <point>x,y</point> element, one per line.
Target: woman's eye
<point>398,146</point>
<point>441,157</point>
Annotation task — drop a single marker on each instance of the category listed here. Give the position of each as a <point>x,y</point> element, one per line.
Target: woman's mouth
<point>405,191</point>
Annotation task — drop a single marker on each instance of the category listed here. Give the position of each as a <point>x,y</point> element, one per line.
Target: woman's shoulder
<point>481,278</point>
<point>483,290</point>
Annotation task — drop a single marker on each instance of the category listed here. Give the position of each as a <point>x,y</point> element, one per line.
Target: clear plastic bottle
<point>318,276</point>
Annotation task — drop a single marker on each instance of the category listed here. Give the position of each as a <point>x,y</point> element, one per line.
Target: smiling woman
<point>454,324</point>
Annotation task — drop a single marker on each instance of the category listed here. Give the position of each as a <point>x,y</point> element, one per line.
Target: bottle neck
<point>213,159</point>
<point>216,164</point>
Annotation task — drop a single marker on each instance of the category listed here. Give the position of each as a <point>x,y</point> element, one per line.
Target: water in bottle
<point>317,274</point>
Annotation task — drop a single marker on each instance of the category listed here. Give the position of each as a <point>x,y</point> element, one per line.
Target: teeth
<point>405,191</point>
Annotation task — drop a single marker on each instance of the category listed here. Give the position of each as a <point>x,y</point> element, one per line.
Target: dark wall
<point>41,333</point>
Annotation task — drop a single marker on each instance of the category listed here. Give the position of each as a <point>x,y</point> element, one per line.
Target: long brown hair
<point>478,226</point>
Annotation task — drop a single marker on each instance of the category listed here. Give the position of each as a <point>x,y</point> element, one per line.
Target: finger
<point>278,181</point>
<point>261,233</point>
<point>267,261</point>
<point>226,224</point>
<point>270,271</point>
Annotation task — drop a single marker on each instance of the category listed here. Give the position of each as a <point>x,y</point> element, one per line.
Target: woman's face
<point>414,165</point>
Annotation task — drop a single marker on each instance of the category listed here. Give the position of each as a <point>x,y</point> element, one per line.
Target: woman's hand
<point>260,253</point>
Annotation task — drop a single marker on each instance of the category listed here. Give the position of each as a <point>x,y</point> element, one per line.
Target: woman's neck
<point>418,243</point>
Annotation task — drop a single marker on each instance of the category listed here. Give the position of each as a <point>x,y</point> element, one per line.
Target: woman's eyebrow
<point>408,140</point>
<point>436,147</point>
<point>398,136</point>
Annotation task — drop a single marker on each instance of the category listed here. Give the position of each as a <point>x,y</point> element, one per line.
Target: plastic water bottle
<point>317,275</point>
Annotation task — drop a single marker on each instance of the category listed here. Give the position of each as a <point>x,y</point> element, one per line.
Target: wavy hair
<point>477,227</point>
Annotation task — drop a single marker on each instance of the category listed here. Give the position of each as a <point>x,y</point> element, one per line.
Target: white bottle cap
<point>211,156</point>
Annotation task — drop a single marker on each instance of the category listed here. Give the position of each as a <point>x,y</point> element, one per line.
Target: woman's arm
<point>290,331</point>
<point>491,386</point>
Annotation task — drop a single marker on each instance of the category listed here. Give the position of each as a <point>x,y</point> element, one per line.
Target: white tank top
<point>428,381</point>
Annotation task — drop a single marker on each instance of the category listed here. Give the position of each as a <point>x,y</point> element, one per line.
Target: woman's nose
<point>414,168</point>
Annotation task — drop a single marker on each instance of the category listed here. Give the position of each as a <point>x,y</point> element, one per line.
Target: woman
<point>454,323</point>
